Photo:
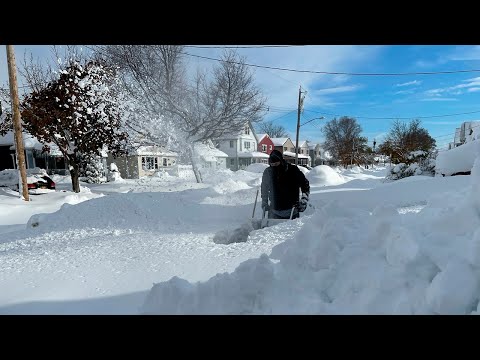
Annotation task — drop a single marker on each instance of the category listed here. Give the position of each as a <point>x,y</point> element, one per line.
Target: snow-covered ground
<point>146,246</point>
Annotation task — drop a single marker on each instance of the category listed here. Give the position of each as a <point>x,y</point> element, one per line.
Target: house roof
<point>29,142</point>
<point>208,152</point>
<point>279,141</point>
<point>253,154</point>
<point>261,136</point>
<point>153,150</point>
<point>303,143</point>
<point>292,154</point>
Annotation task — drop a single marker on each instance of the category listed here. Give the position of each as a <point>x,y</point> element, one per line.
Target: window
<point>285,148</point>
<point>247,130</point>
<point>164,161</point>
<point>149,163</point>
<point>232,162</point>
<point>246,144</point>
<point>264,147</point>
<point>271,147</point>
<point>231,143</point>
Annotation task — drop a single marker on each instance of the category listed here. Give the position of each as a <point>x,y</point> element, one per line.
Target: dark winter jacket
<point>281,185</point>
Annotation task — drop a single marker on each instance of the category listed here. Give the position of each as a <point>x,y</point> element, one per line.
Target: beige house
<point>144,160</point>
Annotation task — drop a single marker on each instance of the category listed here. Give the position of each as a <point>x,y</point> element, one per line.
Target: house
<point>35,156</point>
<point>315,153</point>
<point>241,148</point>
<point>265,143</point>
<point>208,156</point>
<point>286,147</point>
<point>143,160</point>
<point>468,131</point>
<point>303,149</point>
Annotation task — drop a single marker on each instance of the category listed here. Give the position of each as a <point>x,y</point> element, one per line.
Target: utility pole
<point>300,106</point>
<point>17,124</point>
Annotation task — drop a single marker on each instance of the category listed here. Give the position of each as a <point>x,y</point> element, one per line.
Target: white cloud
<point>474,89</point>
<point>338,89</point>
<point>439,99</point>
<point>402,92</point>
<point>410,83</point>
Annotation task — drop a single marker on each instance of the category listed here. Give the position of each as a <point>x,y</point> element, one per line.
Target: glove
<point>302,204</point>
<point>265,206</point>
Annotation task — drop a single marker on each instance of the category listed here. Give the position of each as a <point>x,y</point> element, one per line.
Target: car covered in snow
<point>38,181</point>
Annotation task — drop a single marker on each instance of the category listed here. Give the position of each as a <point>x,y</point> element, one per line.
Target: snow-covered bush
<point>114,174</point>
<point>419,163</point>
<point>92,170</point>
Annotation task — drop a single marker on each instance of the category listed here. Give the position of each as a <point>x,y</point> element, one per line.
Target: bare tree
<point>343,140</point>
<point>273,130</point>
<point>175,112</point>
<point>404,139</point>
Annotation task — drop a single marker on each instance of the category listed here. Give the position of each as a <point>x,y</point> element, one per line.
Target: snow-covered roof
<point>254,154</point>
<point>153,150</point>
<point>208,152</point>
<point>29,142</point>
<point>289,153</point>
<point>279,141</point>
<point>261,136</point>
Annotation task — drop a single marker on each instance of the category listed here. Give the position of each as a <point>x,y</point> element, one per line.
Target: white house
<point>143,160</point>
<point>241,148</point>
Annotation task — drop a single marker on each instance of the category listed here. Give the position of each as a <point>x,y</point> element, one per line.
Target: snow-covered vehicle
<point>38,181</point>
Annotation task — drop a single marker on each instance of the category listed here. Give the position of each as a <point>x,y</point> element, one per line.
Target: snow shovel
<point>270,222</point>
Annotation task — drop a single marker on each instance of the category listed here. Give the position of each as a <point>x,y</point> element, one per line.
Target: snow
<point>146,246</point>
<point>458,159</point>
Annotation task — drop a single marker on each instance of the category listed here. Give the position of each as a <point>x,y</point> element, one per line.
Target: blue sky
<point>428,97</point>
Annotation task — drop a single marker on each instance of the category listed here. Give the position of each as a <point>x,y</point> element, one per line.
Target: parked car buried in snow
<point>38,181</point>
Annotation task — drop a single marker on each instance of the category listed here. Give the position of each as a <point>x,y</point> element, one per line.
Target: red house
<point>265,144</point>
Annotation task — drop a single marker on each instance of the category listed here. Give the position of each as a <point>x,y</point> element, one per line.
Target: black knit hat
<point>275,156</point>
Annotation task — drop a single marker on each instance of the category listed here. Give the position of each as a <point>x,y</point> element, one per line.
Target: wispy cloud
<point>439,99</point>
<point>468,85</point>
<point>337,89</point>
<point>404,92</point>
<point>410,83</point>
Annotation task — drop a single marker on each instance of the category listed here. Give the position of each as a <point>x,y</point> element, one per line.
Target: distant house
<point>265,144</point>
<point>467,132</point>
<point>143,160</point>
<point>52,161</point>
<point>304,149</point>
<point>208,156</point>
<point>241,148</point>
<point>286,147</point>
<point>316,156</point>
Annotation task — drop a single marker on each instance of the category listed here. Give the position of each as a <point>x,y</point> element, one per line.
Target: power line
<point>240,46</point>
<point>397,117</point>
<point>339,72</point>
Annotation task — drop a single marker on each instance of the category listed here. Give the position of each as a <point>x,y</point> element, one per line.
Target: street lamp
<point>298,131</point>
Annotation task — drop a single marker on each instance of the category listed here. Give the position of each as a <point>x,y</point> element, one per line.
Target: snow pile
<point>324,175</point>
<point>352,261</point>
<point>256,168</point>
<point>459,159</point>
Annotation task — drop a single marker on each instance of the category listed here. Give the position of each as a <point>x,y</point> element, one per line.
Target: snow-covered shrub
<point>419,163</point>
<point>114,174</point>
<point>92,170</point>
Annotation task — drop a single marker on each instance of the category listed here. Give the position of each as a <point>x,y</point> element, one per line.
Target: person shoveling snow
<point>281,184</point>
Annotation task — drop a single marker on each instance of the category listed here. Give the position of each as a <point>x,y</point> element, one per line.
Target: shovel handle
<point>254,206</point>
